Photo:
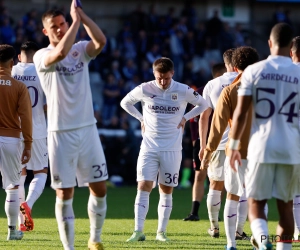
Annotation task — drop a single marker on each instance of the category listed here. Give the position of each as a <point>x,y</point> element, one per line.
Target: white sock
<point>259,228</point>
<point>97,211</point>
<point>65,219</point>
<point>296,211</point>
<point>266,210</point>
<point>141,207</point>
<point>12,207</point>
<point>36,188</point>
<point>283,246</point>
<point>164,210</point>
<point>213,207</point>
<point>21,197</point>
<point>230,220</point>
<point>242,214</point>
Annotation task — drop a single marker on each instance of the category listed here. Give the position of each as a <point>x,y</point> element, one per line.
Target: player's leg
<point>169,166</point>
<point>10,167</point>
<point>285,189</point>
<point>92,171</point>
<point>63,149</point>
<point>39,165</point>
<point>296,212</point>
<point>216,175</point>
<point>198,186</point>
<point>258,191</point>
<point>147,169</point>
<point>22,198</point>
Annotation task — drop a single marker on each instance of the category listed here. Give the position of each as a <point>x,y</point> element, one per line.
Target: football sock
<point>12,207</point>
<point>296,210</point>
<point>65,219</point>
<point>186,174</point>
<point>36,188</point>
<point>195,207</point>
<point>21,197</point>
<point>97,211</point>
<point>266,210</point>
<point>141,207</point>
<point>164,211</point>
<point>213,207</point>
<point>259,228</point>
<point>230,220</point>
<point>242,211</point>
<point>283,246</point>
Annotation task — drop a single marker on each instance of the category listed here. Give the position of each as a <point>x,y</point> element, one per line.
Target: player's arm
<point>238,126</point>
<point>98,39</point>
<point>65,44</point>
<point>130,99</point>
<point>25,114</point>
<point>199,103</point>
<point>219,124</point>
<point>203,130</point>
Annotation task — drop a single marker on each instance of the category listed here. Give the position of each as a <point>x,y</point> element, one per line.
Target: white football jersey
<point>26,72</point>
<point>211,93</point>
<point>162,112</point>
<point>66,85</point>
<point>274,85</point>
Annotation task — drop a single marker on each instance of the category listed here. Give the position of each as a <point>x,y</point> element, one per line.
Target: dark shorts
<point>196,160</point>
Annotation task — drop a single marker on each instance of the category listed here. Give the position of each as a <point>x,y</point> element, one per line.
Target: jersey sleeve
<point>206,95</point>
<point>198,101</point>
<point>25,114</point>
<point>132,98</point>
<point>39,60</point>
<point>220,119</point>
<point>246,84</point>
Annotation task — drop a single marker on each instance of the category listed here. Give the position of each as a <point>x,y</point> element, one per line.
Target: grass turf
<point>119,223</point>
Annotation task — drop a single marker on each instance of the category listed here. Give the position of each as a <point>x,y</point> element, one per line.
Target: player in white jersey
<point>215,171</point>
<point>295,55</point>
<point>25,71</point>
<point>164,102</point>
<point>272,87</point>
<point>75,150</point>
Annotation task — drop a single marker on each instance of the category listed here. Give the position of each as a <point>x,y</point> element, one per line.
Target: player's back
<point>275,87</point>
<point>26,73</point>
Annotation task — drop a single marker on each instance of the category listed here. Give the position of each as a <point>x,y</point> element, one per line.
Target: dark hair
<point>218,69</point>
<point>244,56</point>
<point>52,13</point>
<point>296,44</point>
<point>7,52</point>
<point>163,65</point>
<point>282,34</point>
<point>227,56</point>
<point>29,46</point>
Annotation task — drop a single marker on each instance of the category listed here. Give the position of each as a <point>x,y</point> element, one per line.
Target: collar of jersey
<point>281,59</point>
<point>22,64</point>
<point>172,82</point>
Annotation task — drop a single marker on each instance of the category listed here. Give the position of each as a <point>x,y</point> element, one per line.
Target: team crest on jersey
<point>75,54</point>
<point>174,96</point>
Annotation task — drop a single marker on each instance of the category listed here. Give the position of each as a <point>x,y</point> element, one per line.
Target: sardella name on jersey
<point>25,78</point>
<point>279,77</point>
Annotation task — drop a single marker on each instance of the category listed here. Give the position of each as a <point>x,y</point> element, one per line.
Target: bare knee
<point>65,193</point>
<point>98,189</point>
<point>216,185</point>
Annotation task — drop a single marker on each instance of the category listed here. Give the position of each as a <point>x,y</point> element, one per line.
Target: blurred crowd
<point>194,45</point>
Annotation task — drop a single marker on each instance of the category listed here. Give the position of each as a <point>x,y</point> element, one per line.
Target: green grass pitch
<point>119,223</point>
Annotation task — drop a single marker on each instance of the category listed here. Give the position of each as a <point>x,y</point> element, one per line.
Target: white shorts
<point>10,163</point>
<point>75,154</point>
<point>39,155</point>
<point>166,164</point>
<point>215,169</point>
<point>234,181</point>
<point>264,181</point>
